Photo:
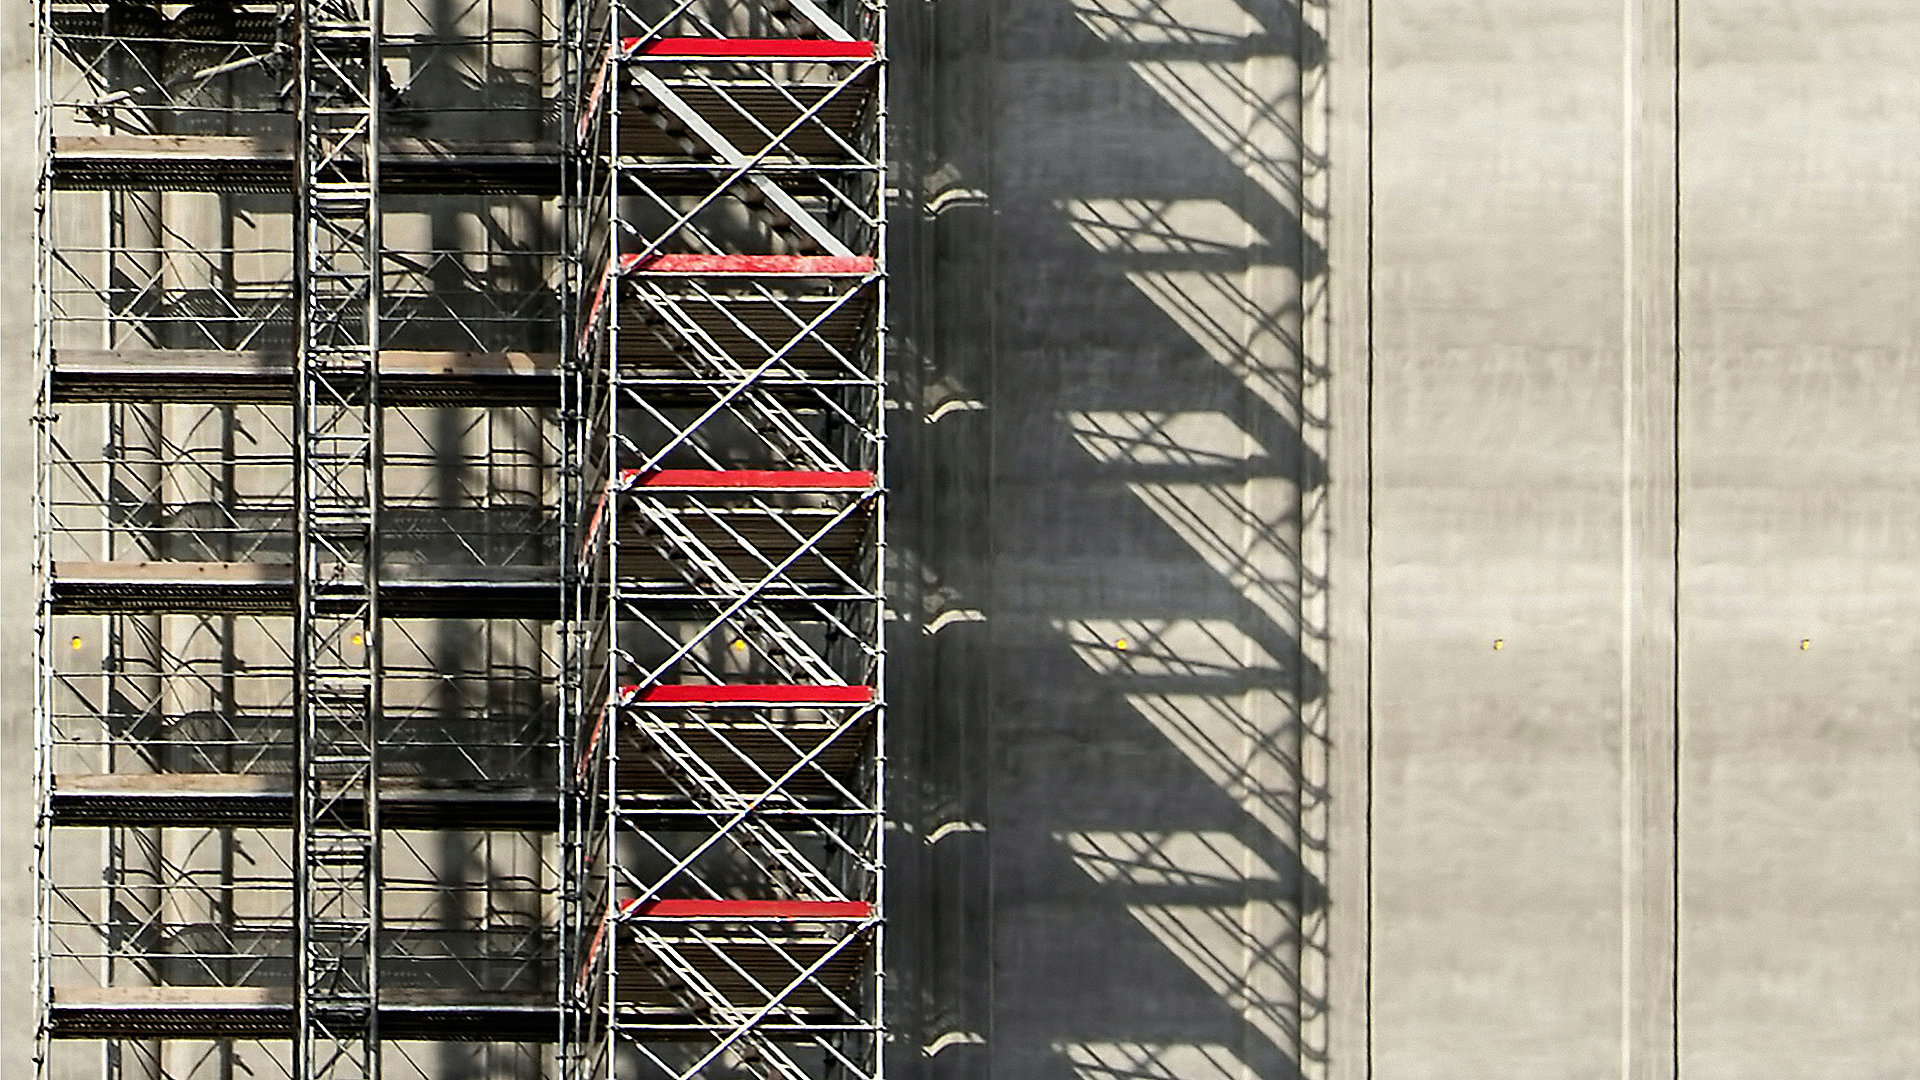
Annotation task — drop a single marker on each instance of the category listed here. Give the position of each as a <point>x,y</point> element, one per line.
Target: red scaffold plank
<point>593,97</point>
<point>748,909</point>
<point>585,763</point>
<point>754,265</point>
<point>593,952</point>
<point>770,49</point>
<point>777,694</point>
<point>593,311</point>
<point>784,479</point>
<point>593,528</point>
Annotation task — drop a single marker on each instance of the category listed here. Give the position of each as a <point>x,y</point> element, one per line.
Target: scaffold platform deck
<point>213,800</point>
<point>407,377</point>
<point>104,588</point>
<point>206,1012</point>
<point>265,163</point>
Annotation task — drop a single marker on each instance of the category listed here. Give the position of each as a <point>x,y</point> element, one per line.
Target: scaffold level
<point>256,164</point>
<point>407,377</point>
<point>251,1013</point>
<point>232,588</point>
<point>210,800</point>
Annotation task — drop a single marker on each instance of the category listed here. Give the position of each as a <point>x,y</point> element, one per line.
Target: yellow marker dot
<point>1499,643</point>
<point>739,646</point>
<point>75,643</point>
<point>1121,644</point>
<point>356,639</point>
<point>1805,644</point>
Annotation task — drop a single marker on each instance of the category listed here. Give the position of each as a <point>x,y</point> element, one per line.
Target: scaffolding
<point>301,287</point>
<point>336,500</point>
<point>729,591</point>
<point>460,538</point>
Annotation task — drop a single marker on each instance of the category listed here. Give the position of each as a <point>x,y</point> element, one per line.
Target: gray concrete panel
<point>1521,926</point>
<point>1800,810</point>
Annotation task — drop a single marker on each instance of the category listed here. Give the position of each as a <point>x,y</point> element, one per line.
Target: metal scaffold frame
<point>730,593</point>
<point>300,464</point>
<point>461,536</point>
<point>337,467</point>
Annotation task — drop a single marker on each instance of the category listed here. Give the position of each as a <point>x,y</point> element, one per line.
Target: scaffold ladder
<point>734,552</point>
<point>337,473</point>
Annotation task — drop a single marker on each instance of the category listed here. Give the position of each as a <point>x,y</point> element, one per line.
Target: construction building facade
<point>460,564</point>
<point>961,539</point>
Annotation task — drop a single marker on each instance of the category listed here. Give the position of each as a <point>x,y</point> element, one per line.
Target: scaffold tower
<point>731,550</point>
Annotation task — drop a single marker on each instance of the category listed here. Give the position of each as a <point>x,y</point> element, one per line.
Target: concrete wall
<point>1107,682</point>
<point>1618,414</point>
<point>1595,339</point>
<point>1565,838</point>
<point>1800,471</point>
<point>1523,548</point>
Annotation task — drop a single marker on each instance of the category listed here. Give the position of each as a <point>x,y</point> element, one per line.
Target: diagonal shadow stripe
<point>1125,513</point>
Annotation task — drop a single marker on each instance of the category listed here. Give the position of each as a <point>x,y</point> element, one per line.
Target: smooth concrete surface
<point>1800,808</point>
<point>1523,702</point>
<point>1559,857</point>
<point>1260,368</point>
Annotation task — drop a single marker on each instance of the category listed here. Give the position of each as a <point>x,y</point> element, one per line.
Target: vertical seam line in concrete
<point>1640,18</point>
<point>1629,779</point>
<point>1371,495</point>
<point>1349,445</point>
<point>989,391</point>
<point>1673,990</point>
<point>1629,267</point>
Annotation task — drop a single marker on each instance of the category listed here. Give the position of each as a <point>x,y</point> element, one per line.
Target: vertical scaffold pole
<point>337,691</point>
